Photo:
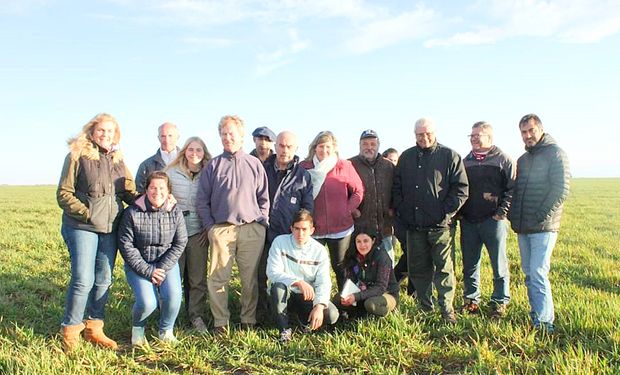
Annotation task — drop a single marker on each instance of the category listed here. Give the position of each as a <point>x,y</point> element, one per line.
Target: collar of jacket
<point>428,150</point>
<point>370,163</point>
<point>230,156</point>
<point>545,140</point>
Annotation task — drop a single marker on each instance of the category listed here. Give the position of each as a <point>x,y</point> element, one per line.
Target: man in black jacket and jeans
<point>430,185</point>
<point>491,175</point>
<point>541,187</point>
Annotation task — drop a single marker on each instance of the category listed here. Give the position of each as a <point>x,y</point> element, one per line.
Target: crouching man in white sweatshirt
<point>298,269</point>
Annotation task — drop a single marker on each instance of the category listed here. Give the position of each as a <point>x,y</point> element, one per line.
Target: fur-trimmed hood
<point>82,146</point>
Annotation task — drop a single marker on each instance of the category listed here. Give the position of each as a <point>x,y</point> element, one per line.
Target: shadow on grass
<point>576,274</point>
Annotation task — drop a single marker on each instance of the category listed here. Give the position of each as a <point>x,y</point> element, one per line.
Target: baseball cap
<point>368,133</point>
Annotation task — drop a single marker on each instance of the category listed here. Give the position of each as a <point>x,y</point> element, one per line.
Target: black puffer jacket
<point>150,238</point>
<point>374,274</point>
<point>430,185</point>
<point>542,185</point>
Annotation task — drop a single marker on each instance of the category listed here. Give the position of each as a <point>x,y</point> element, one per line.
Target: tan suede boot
<point>71,336</point>
<point>94,333</point>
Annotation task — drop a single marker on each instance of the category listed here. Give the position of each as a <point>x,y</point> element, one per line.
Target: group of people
<point>189,216</point>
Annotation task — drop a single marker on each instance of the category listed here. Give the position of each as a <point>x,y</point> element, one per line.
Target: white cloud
<point>17,7</point>
<point>282,56</point>
<point>568,21</point>
<point>485,36</point>
<point>412,25</point>
<point>208,42</point>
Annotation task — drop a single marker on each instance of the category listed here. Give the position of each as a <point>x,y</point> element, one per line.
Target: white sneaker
<point>167,336</point>
<point>137,336</point>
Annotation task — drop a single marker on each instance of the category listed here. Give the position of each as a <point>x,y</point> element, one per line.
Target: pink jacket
<point>341,193</point>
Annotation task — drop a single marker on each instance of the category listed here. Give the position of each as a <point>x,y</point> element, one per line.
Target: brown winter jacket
<point>92,187</point>
<point>375,207</point>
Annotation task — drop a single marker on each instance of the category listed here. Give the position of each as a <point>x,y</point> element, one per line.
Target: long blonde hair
<point>84,144</point>
<point>181,161</point>
<point>322,137</point>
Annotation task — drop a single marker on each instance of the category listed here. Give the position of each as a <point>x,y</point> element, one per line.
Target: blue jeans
<point>492,234</point>
<point>149,297</point>
<point>536,249</point>
<point>92,262</point>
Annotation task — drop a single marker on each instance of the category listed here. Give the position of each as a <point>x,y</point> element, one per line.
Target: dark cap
<point>368,133</point>
<point>264,131</point>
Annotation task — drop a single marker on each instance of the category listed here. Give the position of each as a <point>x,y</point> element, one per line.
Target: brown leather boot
<point>94,333</point>
<point>71,336</point>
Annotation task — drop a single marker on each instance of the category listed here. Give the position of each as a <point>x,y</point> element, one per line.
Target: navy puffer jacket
<point>151,238</point>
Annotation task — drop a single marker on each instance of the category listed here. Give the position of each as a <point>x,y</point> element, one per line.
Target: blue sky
<point>308,66</point>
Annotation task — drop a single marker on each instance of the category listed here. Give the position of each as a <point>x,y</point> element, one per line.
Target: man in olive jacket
<point>430,185</point>
<point>541,187</point>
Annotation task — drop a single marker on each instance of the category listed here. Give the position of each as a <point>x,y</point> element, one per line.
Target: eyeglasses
<point>477,136</point>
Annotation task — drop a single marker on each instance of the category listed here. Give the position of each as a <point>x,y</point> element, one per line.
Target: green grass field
<point>34,271</point>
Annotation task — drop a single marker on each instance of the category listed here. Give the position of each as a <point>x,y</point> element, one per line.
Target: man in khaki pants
<point>233,204</point>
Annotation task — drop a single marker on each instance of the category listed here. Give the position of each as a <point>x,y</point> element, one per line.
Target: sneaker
<point>247,326</point>
<point>449,317</point>
<point>470,306</point>
<point>199,325</point>
<point>137,337</point>
<point>498,310</point>
<point>167,336</point>
<point>286,335</point>
<point>220,331</point>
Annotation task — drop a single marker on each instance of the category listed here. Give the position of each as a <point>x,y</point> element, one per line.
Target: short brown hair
<point>302,215</point>
<point>158,175</point>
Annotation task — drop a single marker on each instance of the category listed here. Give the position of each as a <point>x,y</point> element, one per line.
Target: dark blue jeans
<point>92,262</point>
<point>492,234</point>
<point>282,298</point>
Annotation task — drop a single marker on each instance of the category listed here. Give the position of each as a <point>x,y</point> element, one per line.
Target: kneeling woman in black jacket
<point>152,237</point>
<point>370,269</point>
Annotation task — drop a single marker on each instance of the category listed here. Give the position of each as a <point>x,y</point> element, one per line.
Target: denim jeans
<point>168,294</point>
<point>429,256</point>
<point>92,262</point>
<point>492,234</point>
<point>536,249</point>
<point>282,298</point>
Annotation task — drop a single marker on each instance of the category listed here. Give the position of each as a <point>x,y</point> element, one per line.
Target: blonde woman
<point>94,183</point>
<point>184,173</point>
<point>337,191</point>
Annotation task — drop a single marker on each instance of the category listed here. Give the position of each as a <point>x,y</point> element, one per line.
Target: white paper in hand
<point>349,288</point>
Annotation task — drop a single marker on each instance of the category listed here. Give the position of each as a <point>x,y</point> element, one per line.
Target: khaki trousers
<point>243,244</point>
<point>193,266</point>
